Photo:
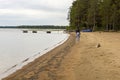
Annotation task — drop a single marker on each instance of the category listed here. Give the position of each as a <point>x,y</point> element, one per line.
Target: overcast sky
<point>34,12</point>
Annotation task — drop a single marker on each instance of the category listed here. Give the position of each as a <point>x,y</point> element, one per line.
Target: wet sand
<point>77,60</point>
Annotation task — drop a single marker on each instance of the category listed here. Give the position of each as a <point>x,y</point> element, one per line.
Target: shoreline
<point>59,49</point>
<point>16,46</point>
<point>30,59</point>
<point>77,60</point>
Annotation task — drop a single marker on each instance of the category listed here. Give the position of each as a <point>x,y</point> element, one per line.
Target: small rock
<point>98,45</point>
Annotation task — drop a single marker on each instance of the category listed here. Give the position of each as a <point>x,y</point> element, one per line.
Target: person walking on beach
<point>77,34</point>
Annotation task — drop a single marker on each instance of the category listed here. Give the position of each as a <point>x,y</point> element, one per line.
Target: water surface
<point>17,47</point>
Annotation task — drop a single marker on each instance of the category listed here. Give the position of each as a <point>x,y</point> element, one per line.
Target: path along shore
<point>77,60</point>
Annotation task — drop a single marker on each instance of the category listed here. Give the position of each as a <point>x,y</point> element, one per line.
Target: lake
<point>18,48</point>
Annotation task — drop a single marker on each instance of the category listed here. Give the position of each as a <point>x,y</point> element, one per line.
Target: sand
<point>77,60</point>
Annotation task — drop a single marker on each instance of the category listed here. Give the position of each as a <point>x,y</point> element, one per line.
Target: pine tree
<point>95,14</point>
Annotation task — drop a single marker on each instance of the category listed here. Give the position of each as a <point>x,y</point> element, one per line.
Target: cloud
<point>16,12</point>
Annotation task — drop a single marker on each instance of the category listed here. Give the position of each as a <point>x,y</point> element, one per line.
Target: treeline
<point>36,27</point>
<point>95,15</point>
<point>43,27</point>
<point>7,26</point>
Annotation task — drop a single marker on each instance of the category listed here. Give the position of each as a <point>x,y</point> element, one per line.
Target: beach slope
<point>95,57</point>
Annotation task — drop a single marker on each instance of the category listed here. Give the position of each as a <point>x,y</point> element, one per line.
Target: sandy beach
<point>95,57</point>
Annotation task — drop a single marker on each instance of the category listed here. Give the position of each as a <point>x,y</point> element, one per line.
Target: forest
<point>36,27</point>
<point>42,26</point>
<point>96,15</point>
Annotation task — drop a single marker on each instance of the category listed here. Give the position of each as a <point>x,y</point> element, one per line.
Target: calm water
<point>17,47</point>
